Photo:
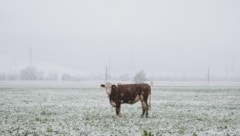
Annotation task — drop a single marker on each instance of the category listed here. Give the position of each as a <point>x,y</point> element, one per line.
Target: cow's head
<point>108,87</point>
<point>109,90</point>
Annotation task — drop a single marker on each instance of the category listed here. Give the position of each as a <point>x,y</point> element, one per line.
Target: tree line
<point>32,73</point>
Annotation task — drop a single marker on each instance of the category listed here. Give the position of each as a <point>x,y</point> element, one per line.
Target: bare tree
<point>140,77</point>
<point>29,73</point>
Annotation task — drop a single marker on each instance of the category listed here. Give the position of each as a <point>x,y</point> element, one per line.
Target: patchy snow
<point>66,108</point>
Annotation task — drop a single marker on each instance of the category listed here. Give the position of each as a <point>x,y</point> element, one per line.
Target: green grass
<point>72,109</point>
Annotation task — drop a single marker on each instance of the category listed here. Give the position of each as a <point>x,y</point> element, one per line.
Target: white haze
<point>168,37</point>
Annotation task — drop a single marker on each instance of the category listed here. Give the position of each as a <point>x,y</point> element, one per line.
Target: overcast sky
<point>169,37</point>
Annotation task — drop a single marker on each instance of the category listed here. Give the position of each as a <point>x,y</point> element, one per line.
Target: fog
<point>164,38</point>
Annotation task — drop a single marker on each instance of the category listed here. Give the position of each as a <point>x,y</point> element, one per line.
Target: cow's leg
<point>144,108</point>
<point>118,108</point>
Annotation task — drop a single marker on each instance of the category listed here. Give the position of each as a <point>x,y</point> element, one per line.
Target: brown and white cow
<point>128,93</point>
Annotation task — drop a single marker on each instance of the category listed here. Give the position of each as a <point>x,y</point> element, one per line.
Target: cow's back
<point>135,87</point>
<point>128,92</point>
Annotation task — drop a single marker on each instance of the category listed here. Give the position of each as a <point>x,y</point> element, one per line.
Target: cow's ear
<point>102,85</point>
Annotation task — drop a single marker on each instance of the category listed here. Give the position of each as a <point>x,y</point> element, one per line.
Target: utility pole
<point>232,66</point>
<point>208,75</point>
<point>106,74</point>
<point>109,69</point>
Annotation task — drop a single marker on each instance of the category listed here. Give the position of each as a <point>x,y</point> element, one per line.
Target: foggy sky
<point>161,37</point>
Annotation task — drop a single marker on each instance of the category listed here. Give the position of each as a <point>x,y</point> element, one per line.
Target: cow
<point>129,94</point>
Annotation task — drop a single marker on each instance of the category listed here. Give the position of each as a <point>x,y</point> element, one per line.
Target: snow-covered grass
<point>67,108</point>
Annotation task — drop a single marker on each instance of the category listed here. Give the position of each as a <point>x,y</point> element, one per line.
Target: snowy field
<point>78,108</point>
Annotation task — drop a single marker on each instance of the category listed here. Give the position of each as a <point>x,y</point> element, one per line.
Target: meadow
<point>79,108</point>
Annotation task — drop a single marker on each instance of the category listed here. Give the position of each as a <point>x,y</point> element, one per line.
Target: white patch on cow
<point>141,97</point>
<point>144,105</point>
<point>113,103</point>
<point>108,88</point>
<point>137,98</point>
